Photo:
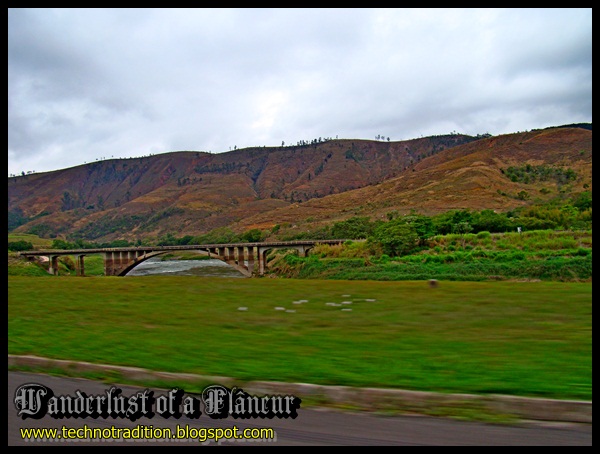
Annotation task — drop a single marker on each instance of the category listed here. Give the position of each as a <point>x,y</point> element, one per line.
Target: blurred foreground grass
<point>519,338</point>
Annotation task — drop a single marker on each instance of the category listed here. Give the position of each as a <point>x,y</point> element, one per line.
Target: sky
<point>92,84</point>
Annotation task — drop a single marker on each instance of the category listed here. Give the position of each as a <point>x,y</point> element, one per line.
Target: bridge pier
<point>262,259</point>
<point>241,259</point>
<point>109,258</point>
<point>229,255</point>
<point>79,265</point>
<point>53,269</point>
<point>251,260</point>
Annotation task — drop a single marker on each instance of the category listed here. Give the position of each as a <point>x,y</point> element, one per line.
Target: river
<point>206,268</point>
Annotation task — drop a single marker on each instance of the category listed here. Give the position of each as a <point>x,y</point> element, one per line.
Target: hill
<point>189,192</point>
<point>472,176</point>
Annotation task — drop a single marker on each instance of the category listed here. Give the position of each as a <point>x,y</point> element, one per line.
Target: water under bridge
<point>248,258</point>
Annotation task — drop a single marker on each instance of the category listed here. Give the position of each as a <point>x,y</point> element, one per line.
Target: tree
<point>445,222</point>
<point>252,236</point>
<point>167,240</point>
<point>423,226</point>
<point>392,214</point>
<point>583,201</point>
<point>396,238</point>
<point>61,244</point>
<point>490,221</point>
<point>462,228</point>
<point>20,245</point>
<point>354,228</point>
<point>16,218</point>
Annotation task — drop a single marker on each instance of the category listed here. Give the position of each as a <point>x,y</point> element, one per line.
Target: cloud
<point>87,84</point>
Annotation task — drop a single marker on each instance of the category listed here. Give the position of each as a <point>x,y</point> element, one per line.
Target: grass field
<point>35,240</point>
<point>519,338</point>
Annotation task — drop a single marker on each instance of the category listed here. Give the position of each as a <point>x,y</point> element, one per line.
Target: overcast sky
<point>91,84</point>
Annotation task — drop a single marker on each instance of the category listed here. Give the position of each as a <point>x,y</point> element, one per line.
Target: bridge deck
<point>119,261</point>
<point>186,247</point>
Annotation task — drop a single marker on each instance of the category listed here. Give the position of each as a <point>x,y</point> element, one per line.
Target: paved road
<point>312,427</point>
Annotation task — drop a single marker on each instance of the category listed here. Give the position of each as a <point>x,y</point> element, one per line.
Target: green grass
<point>519,338</point>
<point>36,241</point>
<point>458,266</point>
<point>94,265</point>
<point>19,267</point>
<point>536,255</point>
<point>534,240</point>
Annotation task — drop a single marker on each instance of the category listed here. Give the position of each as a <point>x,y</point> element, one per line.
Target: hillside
<point>471,176</point>
<point>190,192</point>
<point>194,192</point>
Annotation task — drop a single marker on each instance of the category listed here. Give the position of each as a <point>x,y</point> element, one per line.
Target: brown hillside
<point>469,176</point>
<point>195,192</point>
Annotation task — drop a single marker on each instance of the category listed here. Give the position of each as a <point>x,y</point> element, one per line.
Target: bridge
<point>248,258</point>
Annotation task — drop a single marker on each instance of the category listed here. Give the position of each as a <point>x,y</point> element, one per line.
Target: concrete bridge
<point>248,258</point>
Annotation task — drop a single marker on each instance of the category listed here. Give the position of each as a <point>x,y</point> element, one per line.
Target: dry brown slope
<point>194,192</point>
<point>464,177</point>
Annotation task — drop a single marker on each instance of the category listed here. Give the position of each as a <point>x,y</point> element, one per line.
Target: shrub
<point>354,228</point>
<point>20,245</point>
<point>396,238</point>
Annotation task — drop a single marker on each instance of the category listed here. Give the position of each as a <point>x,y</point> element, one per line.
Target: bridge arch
<point>233,262</point>
<point>139,260</point>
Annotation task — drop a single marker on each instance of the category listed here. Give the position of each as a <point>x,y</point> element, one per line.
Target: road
<point>311,427</point>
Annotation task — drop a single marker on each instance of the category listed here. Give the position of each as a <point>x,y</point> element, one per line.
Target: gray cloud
<point>87,84</point>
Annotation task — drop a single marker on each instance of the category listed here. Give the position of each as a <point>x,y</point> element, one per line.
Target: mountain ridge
<point>193,192</point>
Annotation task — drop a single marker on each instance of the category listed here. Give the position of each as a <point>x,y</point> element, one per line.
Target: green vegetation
<point>15,218</point>
<point>217,236</point>
<point>398,235</point>
<point>399,250</point>
<point>530,174</point>
<point>528,339</point>
<point>560,269</point>
<point>573,214</point>
<point>534,255</point>
<point>520,338</point>
<point>20,245</point>
<point>19,267</point>
<point>111,224</point>
<point>36,241</point>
